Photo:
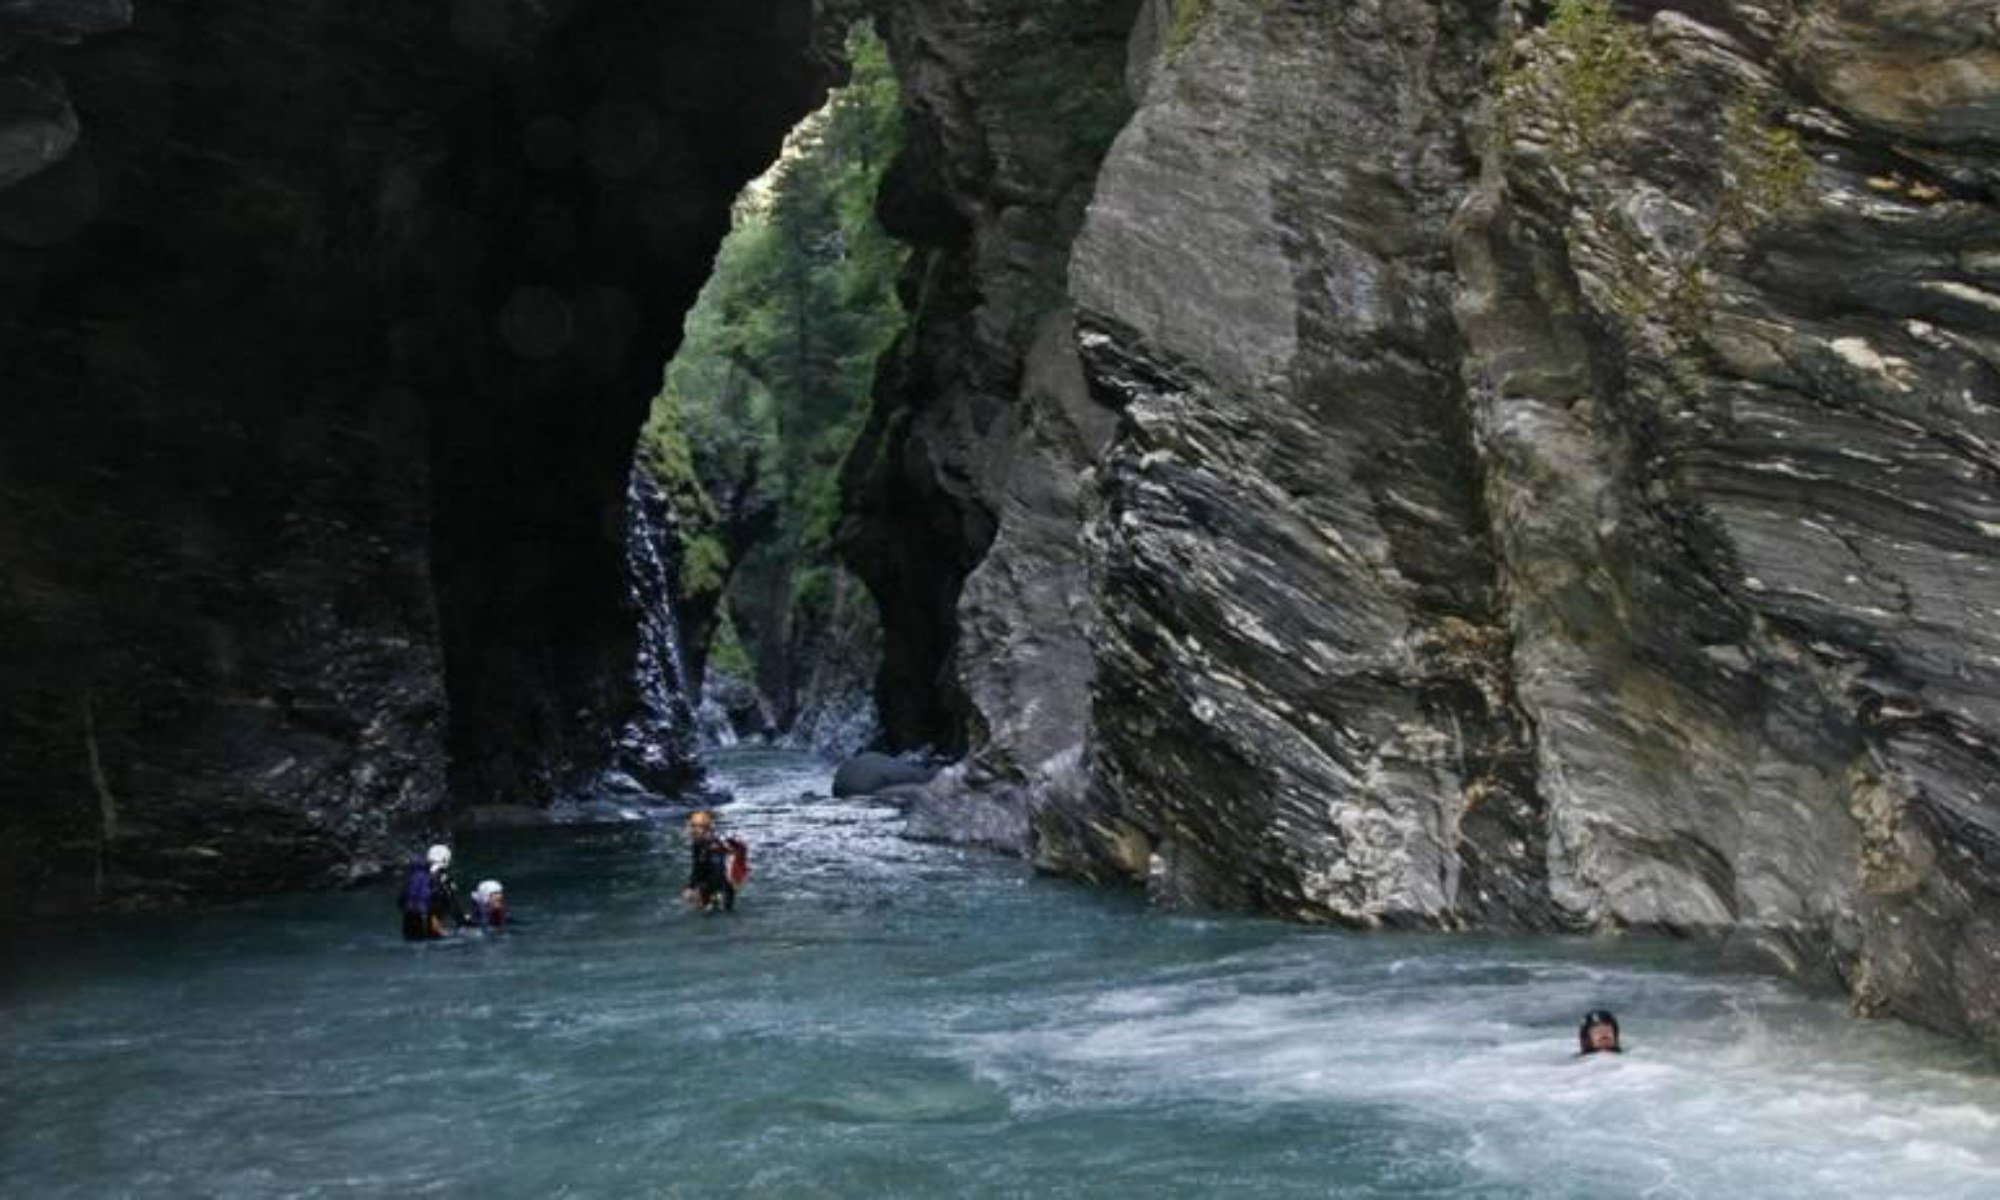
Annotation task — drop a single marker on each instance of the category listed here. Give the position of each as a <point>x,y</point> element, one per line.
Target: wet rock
<point>945,810</point>
<point>868,774</point>
<point>733,709</point>
<point>836,713</point>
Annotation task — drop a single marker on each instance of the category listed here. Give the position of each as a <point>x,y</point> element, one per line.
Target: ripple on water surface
<point>887,1018</point>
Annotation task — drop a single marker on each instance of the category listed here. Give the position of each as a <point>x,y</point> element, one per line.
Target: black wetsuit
<point>446,911</point>
<point>443,913</point>
<point>708,871</point>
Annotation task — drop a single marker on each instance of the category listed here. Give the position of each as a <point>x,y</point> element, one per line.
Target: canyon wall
<point>1552,484</point>
<point>328,329</point>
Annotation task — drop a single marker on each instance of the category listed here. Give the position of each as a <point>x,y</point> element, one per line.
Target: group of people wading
<point>717,865</point>
<point>431,905</point>
<point>432,908</point>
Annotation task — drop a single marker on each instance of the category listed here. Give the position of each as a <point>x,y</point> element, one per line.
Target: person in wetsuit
<point>1598,1034</point>
<point>708,887</point>
<point>447,909</point>
<point>489,906</point>
<point>429,901</point>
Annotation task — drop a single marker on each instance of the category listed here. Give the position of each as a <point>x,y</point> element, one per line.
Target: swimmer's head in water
<point>1598,1033</point>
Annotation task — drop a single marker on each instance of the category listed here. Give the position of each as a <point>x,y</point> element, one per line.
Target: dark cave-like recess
<point>327,332</point>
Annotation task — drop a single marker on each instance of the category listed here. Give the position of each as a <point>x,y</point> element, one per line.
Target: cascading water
<point>657,747</point>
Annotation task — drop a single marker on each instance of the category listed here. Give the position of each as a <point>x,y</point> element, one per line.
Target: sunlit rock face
<point>327,332</point>
<point>1556,494</point>
<point>1303,696</point>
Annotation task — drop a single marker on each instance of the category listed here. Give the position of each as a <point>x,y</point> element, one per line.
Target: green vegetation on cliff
<point>1186,22</point>
<point>763,400</point>
<point>1599,58</point>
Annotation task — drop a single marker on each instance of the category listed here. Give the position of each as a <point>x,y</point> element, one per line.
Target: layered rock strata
<point>1554,484</point>
<point>328,330</point>
<point>1304,700</point>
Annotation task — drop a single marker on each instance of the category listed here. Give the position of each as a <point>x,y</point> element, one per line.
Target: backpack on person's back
<point>416,898</point>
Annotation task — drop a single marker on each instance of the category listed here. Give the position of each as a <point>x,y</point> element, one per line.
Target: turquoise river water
<point>882,1018</point>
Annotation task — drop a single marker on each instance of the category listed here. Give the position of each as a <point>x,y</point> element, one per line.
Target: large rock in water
<point>1556,484</point>
<point>327,331</point>
<point>867,774</point>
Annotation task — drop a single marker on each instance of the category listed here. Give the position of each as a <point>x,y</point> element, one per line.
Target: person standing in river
<point>429,900</point>
<point>708,887</point>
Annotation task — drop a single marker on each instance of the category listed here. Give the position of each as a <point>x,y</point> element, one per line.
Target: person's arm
<point>455,903</point>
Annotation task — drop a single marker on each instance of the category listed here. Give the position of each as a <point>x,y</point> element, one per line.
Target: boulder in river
<point>866,774</point>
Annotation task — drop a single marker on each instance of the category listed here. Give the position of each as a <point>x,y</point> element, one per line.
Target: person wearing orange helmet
<point>708,887</point>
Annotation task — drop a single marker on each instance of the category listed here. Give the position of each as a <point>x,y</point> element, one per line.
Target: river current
<point>882,1018</point>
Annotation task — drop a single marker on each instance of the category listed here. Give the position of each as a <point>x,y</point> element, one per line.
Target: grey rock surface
<point>869,773</point>
<point>948,810</point>
<point>837,714</point>
<point>1559,495</point>
<point>981,423</point>
<point>1303,700</point>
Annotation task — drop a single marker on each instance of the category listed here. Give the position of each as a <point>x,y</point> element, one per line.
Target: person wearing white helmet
<point>489,905</point>
<point>429,901</point>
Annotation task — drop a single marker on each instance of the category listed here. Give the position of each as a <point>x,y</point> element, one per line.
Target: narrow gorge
<point>328,332</point>
<point>1400,463</point>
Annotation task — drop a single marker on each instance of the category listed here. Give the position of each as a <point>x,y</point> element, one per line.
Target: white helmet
<point>486,890</point>
<point>439,856</point>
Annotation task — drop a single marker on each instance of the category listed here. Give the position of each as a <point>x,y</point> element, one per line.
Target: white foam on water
<point>1735,1087</point>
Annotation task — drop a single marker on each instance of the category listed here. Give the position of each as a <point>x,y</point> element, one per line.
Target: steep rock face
<point>328,329</point>
<point>1742,448</point>
<point>1303,701</point>
<point>1555,483</point>
<point>964,499</point>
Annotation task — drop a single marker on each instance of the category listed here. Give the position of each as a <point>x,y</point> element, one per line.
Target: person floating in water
<point>1598,1034</point>
<point>713,867</point>
<point>489,905</point>
<point>429,900</point>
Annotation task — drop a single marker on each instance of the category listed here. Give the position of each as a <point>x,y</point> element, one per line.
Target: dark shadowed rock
<point>328,330</point>
<point>981,422</point>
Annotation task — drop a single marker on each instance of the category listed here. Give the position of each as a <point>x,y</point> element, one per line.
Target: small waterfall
<point>657,748</point>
